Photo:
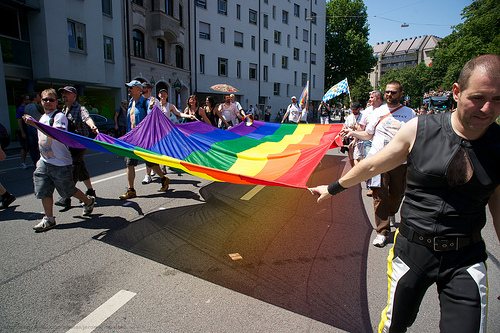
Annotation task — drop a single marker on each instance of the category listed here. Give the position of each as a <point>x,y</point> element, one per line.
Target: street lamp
<point>310,18</point>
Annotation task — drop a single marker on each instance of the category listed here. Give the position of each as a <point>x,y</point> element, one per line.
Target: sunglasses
<point>51,100</point>
<point>393,92</point>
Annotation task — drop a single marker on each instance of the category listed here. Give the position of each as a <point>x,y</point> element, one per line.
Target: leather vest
<point>433,204</point>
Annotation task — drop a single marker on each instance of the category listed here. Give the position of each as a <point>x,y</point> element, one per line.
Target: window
<point>314,81</point>
<point>169,7</point>
<point>160,51</point>
<point>313,17</point>
<point>179,56</point>
<point>238,12</point>
<point>204,30</point>
<point>202,63</point>
<point>273,61</point>
<point>305,56</point>
<point>266,21</point>
<point>288,89</point>
<point>288,40</point>
<point>181,16</point>
<point>107,8</point>
<point>277,37</point>
<point>296,32</point>
<point>138,2</point>
<point>284,62</point>
<point>76,36</point>
<point>223,35</point>
<point>296,54</point>
<point>252,72</point>
<point>305,13</point>
<point>314,38</point>
<point>138,41</point>
<point>294,78</point>
<point>201,3</point>
<point>304,79</point>
<point>108,49</point>
<point>313,58</point>
<point>266,46</point>
<point>305,35</point>
<point>276,90</point>
<point>238,39</point>
<point>238,69</point>
<point>274,12</point>
<point>284,16</point>
<point>252,43</point>
<point>266,73</point>
<point>252,16</point>
<point>296,10</point>
<point>222,67</point>
<point>222,7</point>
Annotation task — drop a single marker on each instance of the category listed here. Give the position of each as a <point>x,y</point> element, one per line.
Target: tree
<point>360,89</point>
<point>347,52</point>
<point>478,34</point>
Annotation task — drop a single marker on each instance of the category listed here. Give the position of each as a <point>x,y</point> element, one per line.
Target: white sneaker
<point>380,241</point>
<point>147,179</point>
<point>392,220</point>
<point>87,209</point>
<point>45,224</point>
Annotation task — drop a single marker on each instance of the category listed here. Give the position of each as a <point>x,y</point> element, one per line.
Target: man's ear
<point>456,91</point>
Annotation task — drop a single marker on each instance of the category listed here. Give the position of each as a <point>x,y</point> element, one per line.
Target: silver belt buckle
<point>441,243</point>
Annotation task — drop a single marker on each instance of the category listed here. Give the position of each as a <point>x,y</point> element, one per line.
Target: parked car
<point>104,124</point>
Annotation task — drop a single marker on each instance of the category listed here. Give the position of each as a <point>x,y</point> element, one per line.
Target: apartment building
<point>58,42</point>
<point>266,49</point>
<point>158,45</point>
<point>402,53</point>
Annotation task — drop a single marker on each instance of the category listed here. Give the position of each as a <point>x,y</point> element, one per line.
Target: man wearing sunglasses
<point>54,169</point>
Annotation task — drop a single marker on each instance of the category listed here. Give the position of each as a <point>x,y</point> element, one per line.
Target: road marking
<point>115,176</point>
<point>250,194</point>
<point>99,315</point>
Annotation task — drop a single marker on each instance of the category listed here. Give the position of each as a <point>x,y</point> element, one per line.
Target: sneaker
<point>380,241</point>
<point>46,224</point>
<point>147,179</point>
<point>7,199</point>
<point>62,202</point>
<point>392,220</point>
<point>165,182</point>
<point>128,195</point>
<point>87,209</point>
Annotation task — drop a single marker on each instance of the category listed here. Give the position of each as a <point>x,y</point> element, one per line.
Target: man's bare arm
<point>494,204</point>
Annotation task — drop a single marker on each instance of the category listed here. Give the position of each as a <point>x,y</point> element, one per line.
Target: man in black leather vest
<point>453,162</point>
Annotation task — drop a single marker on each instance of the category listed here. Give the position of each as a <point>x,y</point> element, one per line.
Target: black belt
<point>439,243</point>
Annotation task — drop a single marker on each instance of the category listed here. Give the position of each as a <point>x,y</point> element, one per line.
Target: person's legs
<point>397,185</point>
<point>463,300</point>
<point>165,181</point>
<point>130,193</point>
<point>381,207</point>
<point>32,137</point>
<point>130,176</point>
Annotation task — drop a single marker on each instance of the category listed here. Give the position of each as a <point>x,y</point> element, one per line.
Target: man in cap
<point>80,122</point>
<point>136,112</point>
<point>293,112</point>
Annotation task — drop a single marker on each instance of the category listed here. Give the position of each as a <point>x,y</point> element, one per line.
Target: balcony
<point>16,52</point>
<point>163,25</point>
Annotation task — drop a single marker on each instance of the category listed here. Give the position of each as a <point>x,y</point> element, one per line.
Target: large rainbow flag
<point>262,153</point>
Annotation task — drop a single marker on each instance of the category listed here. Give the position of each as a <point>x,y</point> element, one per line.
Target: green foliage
<point>478,34</point>
<point>361,89</point>
<point>347,52</point>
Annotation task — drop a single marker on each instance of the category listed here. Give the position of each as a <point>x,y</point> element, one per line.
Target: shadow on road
<point>280,247</point>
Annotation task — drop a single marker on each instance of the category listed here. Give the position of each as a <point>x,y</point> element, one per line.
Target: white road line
<point>250,194</point>
<point>99,315</point>
<point>115,176</point>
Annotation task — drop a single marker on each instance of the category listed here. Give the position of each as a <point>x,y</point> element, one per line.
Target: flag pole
<point>348,92</point>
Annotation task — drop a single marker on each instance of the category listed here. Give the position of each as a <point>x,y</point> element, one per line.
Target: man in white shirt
<point>388,188</point>
<point>293,112</point>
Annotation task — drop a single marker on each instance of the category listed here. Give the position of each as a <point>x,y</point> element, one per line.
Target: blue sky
<point>425,17</point>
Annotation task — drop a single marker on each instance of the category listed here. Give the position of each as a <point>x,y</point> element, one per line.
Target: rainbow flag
<point>304,95</point>
<point>262,153</point>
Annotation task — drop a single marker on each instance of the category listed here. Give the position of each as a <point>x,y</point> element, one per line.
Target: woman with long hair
<point>209,112</point>
<point>192,108</point>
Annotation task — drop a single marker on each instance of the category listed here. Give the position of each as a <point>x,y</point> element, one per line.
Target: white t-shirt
<point>367,114</point>
<point>351,120</point>
<point>384,128</point>
<point>52,151</point>
<point>294,112</point>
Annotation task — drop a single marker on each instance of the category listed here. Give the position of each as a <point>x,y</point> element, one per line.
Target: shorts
<point>131,161</point>
<point>150,165</point>
<point>23,142</point>
<point>48,177</point>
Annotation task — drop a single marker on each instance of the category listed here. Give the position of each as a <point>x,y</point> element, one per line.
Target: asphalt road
<point>199,258</point>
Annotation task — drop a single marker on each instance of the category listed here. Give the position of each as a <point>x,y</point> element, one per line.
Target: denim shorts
<point>48,177</point>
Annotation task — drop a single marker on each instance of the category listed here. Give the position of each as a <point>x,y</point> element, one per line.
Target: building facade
<point>266,49</point>
<point>158,45</point>
<point>402,53</point>
<point>60,42</point>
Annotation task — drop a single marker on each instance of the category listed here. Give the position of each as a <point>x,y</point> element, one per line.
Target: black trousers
<point>461,282</point>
